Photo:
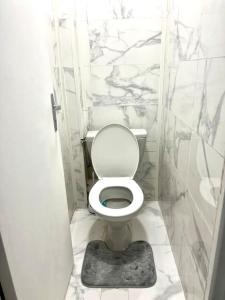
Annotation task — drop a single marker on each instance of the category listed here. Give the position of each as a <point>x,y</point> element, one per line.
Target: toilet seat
<point>119,213</point>
<point>115,158</point>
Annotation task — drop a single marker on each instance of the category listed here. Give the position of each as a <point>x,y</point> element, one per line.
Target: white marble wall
<point>193,141</point>
<point>107,69</point>
<point>120,46</point>
<point>67,91</point>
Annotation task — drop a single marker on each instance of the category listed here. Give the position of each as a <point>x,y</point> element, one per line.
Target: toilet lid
<point>115,152</point>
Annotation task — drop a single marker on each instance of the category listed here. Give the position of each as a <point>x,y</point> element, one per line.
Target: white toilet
<point>116,197</point>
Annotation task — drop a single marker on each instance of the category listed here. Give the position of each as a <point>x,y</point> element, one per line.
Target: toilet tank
<point>141,135</point>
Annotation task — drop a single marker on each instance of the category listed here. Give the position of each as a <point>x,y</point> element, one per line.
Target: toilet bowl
<point>116,197</point>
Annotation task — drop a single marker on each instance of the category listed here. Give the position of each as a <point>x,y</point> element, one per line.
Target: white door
<point>33,207</point>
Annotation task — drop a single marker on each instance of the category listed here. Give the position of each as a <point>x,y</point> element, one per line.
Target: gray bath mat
<point>131,268</point>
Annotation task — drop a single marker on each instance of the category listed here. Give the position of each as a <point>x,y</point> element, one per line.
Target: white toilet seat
<point>121,214</point>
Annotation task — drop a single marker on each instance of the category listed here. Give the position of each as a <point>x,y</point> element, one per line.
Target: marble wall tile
<point>174,205</point>
<point>124,84</point>
<point>148,187</point>
<point>148,165</point>
<point>192,141</point>
<point>184,41</point>
<point>100,116</point>
<point>185,226</point>
<point>80,10</point>
<point>187,235</point>
<point>210,103</point>
<point>118,49</point>
<point>212,37</point>
<point>189,273</point>
<point>70,117</point>
<point>132,116</point>
<point>146,175</point>
<point>82,42</point>
<point>64,7</point>
<point>187,238</point>
<point>125,41</point>
<point>124,9</point>
<point>204,179</point>
<point>65,41</point>
<point>61,117</point>
<point>190,235</point>
<point>177,143</point>
<point>73,123</point>
<point>213,6</point>
<point>64,141</point>
<point>74,127</point>
<point>187,12</point>
<point>182,138</point>
<point>196,29</point>
<point>199,238</point>
<point>183,27</point>
<point>151,146</point>
<point>182,91</point>
<point>189,217</point>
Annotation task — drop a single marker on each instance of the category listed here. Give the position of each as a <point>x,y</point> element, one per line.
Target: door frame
<point>7,290</point>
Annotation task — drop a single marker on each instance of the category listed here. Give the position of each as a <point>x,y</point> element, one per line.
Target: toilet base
<point>118,235</point>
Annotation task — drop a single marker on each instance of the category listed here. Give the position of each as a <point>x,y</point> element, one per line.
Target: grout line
<point>193,130</point>
<point>110,19</point>
<point>161,90</point>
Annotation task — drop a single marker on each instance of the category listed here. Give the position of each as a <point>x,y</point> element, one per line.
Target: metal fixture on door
<point>55,107</point>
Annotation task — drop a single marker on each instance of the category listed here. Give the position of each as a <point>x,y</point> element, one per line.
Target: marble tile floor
<point>148,226</point>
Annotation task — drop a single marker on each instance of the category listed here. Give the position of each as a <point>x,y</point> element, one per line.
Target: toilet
<point>116,197</point>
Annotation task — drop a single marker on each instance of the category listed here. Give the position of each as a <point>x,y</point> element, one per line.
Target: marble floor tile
<point>112,294</point>
<point>77,292</point>
<point>148,226</point>
<point>168,285</point>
